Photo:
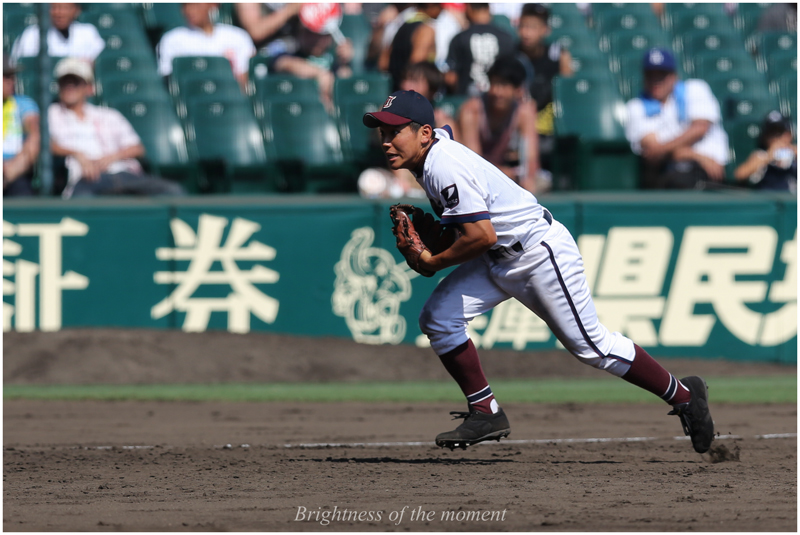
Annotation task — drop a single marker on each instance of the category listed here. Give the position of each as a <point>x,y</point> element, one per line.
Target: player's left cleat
<point>477,427</point>
<point>695,416</point>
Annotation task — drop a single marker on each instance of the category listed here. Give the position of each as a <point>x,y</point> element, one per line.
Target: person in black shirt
<point>474,50</point>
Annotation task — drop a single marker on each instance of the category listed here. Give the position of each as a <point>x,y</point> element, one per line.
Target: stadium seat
<point>285,88</point>
<point>113,89</point>
<point>590,141</point>
<point>358,30</point>
<point>747,105</point>
<point>724,84</point>
<point>609,22</point>
<point>192,67</point>
<point>29,75</point>
<point>769,43</point>
<point>451,104</point>
<point>580,42</point>
<point>747,16</point>
<point>127,42</point>
<point>566,20</point>
<point>686,21</point>
<point>782,63</point>
<point>168,153</point>
<point>113,20</point>
<point>787,96</point>
<point>743,137</point>
<point>704,64</point>
<point>504,23</point>
<point>159,18</point>
<point>309,148</point>
<point>591,63</point>
<point>363,87</point>
<point>635,41</point>
<point>711,40</point>
<point>136,64</point>
<point>230,146</point>
<point>198,87</point>
<point>352,98</point>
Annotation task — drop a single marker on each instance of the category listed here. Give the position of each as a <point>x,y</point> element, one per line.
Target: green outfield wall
<point>709,275</point>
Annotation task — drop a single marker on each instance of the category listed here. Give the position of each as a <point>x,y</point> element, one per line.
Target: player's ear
<point>426,134</point>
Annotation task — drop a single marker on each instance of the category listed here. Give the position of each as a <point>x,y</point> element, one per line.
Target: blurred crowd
<point>490,70</point>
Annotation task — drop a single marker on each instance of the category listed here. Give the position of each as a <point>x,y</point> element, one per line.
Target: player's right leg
<point>557,291</point>
<point>463,295</point>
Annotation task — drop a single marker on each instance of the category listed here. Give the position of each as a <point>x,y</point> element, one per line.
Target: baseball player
<point>505,245</point>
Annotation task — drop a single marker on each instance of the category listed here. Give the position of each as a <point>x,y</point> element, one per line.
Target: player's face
<point>403,146</point>
<point>659,84</point>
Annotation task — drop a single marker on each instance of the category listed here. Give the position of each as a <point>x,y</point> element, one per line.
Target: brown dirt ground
<point>147,466</point>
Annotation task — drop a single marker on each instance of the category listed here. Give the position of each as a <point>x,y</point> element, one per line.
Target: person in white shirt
<point>676,128</point>
<point>100,145</point>
<point>201,37</point>
<point>65,38</point>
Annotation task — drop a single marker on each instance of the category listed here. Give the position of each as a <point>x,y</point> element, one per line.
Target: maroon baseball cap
<point>402,107</point>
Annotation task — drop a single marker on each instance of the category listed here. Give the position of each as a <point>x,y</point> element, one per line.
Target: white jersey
<point>82,41</point>
<point>227,41</point>
<point>463,188</point>
<point>673,118</point>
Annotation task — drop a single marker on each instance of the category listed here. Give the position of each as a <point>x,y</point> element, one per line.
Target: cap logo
<point>388,102</point>
<point>656,57</point>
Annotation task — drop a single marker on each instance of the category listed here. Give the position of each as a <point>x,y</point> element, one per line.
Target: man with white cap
<point>676,127</point>
<point>100,145</point>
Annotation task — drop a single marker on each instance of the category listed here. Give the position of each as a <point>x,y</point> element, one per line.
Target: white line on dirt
<point>533,441</point>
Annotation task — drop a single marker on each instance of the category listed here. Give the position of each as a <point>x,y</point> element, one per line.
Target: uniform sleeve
<point>701,103</point>
<point>635,128</point>
<point>458,193</point>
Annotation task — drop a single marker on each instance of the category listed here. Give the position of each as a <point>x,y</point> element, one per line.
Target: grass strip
<point>772,389</point>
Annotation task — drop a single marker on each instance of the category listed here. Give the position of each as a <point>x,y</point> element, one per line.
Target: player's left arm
<point>475,238</point>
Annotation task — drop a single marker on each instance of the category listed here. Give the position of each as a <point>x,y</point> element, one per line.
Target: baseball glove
<point>435,237</point>
<point>409,242</point>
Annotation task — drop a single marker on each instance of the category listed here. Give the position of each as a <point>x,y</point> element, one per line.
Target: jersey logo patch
<point>450,195</point>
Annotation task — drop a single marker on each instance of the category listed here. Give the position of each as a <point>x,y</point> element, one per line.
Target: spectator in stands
<point>100,145</point>
<point>474,50</point>
<point>20,136</point>
<point>500,125</point>
<point>272,30</point>
<point>385,27</point>
<point>65,37</point>
<point>779,17</point>
<point>202,37</point>
<point>542,62</point>
<point>773,166</point>
<point>311,57</point>
<point>676,127</point>
<point>414,42</point>
<point>450,22</point>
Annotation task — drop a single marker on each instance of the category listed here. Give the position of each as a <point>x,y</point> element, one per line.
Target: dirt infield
<point>146,466</point>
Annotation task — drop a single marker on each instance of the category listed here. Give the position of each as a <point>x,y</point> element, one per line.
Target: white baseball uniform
<point>535,261</point>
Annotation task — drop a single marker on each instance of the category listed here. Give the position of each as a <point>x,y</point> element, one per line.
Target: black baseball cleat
<point>695,416</point>
<point>477,427</point>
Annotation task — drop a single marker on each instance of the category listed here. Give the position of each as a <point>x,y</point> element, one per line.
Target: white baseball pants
<point>548,278</point>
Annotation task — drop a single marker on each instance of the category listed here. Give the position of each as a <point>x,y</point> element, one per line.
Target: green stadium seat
<point>159,18</point>
<point>743,138</point>
<point>285,88</point>
<point>600,9</point>
<point>504,23</point>
<point>769,43</point>
<point>609,22</point>
<point>451,104</point>
<point>309,147</point>
<point>136,64</point>
<point>363,87</point>
<point>713,40</point>
<point>704,64</point>
<point>360,144</point>
<point>29,76</point>
<point>782,63</point>
<point>566,20</point>
<point>358,29</point>
<point>590,63</point>
<point>114,89</point>
<point>111,20</point>
<point>748,105</point>
<point>787,96</point>
<point>230,146</point>
<point>590,141</point>
<point>192,67</point>
<point>168,153</point>
<point>198,87</point>
<point>635,41</point>
<point>724,84</point>
<point>683,22</point>
<point>584,42</point>
<point>126,42</point>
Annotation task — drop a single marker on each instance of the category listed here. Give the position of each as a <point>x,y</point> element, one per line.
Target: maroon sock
<point>465,367</point>
<point>646,373</point>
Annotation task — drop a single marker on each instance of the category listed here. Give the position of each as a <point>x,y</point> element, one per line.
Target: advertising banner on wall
<point>682,275</point>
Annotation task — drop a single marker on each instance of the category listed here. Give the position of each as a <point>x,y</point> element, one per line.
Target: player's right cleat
<point>477,427</point>
<point>695,416</point>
